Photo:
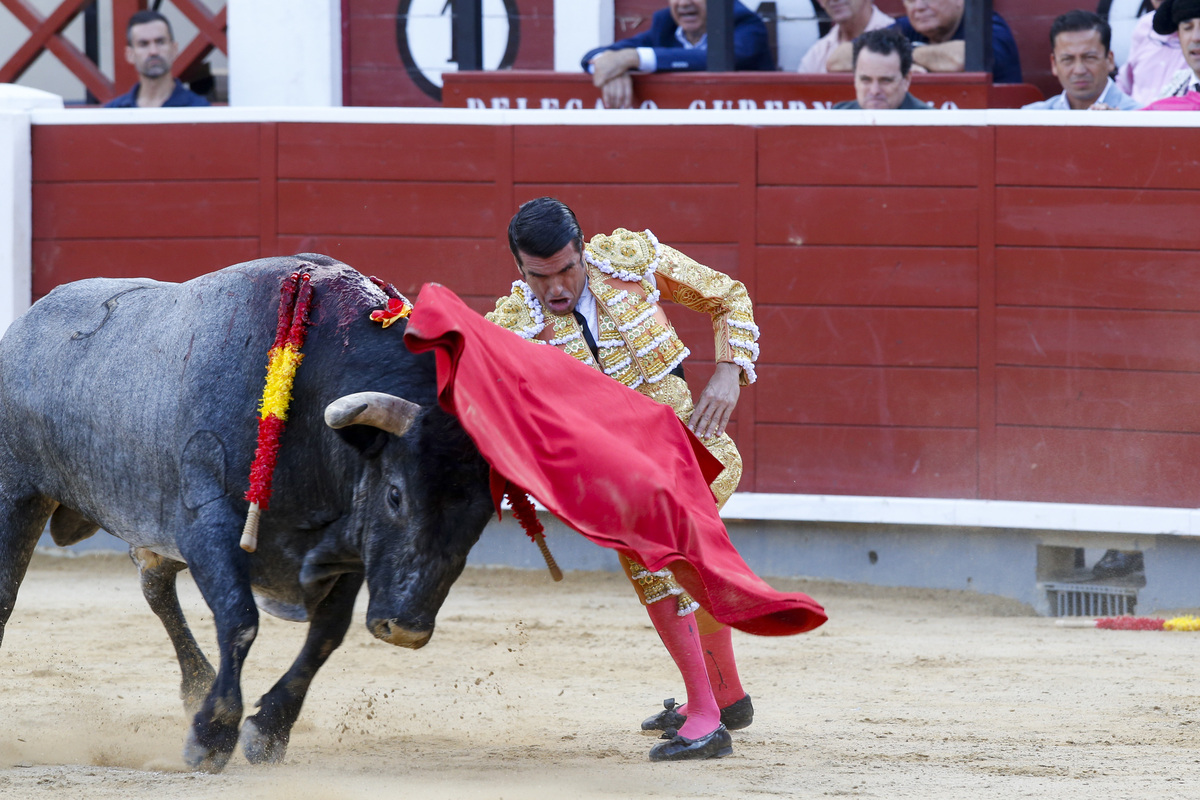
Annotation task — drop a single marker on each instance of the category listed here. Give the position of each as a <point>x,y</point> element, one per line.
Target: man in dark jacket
<point>677,41</point>
<point>882,72</point>
<point>151,48</point>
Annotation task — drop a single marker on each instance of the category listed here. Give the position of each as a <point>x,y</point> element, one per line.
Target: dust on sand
<point>531,689</point>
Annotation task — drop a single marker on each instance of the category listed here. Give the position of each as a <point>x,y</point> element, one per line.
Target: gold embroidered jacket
<point>628,273</point>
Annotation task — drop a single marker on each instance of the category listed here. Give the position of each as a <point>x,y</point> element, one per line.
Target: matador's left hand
<point>717,401</point>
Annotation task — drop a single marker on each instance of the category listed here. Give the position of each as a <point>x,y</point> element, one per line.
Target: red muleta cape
<point>609,462</point>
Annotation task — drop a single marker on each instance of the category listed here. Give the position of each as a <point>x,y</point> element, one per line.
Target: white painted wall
<point>16,197</point>
<point>285,52</point>
<point>580,25</point>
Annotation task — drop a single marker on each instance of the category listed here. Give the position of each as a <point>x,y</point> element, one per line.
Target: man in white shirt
<point>832,52</point>
<point>1082,60</point>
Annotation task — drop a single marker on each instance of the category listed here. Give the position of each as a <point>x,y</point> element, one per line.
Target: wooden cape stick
<point>524,511</point>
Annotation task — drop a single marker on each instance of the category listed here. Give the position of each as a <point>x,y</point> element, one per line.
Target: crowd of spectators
<point>1162,69</point>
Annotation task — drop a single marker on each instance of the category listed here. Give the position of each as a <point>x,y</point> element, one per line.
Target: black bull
<point>132,405</point>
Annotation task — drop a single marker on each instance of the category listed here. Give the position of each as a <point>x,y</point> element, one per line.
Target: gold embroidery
<point>625,251</point>
<point>652,587</point>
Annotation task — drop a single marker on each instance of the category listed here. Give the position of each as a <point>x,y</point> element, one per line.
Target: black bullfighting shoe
<point>734,716</point>
<point>717,744</point>
<point>669,718</point>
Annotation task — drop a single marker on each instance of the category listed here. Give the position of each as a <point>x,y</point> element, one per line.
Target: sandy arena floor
<point>535,690</point>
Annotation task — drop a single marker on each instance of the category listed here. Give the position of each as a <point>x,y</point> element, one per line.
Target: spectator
<point>677,41</point>
<point>883,60</point>
<point>832,52</point>
<point>935,28</point>
<point>1082,59</point>
<point>150,46</point>
<point>1183,90</point>
<point>1153,59</point>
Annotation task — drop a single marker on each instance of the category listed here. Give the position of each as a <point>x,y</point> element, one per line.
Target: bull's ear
<point>376,409</point>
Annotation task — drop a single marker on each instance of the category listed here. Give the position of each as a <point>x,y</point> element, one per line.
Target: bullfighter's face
<point>151,49</point>
<point>1189,41</point>
<point>557,281</point>
<point>691,16</point>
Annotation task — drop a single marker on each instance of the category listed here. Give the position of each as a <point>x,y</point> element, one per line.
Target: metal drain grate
<point>1085,600</point>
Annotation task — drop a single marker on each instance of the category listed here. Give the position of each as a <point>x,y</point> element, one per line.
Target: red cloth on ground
<point>609,462</point>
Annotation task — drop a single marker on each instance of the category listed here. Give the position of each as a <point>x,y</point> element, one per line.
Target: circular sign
<point>426,41</point>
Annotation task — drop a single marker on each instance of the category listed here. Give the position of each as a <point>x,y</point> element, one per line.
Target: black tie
<point>587,335</point>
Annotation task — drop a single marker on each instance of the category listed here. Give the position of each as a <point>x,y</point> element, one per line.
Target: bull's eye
<point>394,497</point>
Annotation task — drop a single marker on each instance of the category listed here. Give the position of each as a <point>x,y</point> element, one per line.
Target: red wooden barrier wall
<point>978,312</point>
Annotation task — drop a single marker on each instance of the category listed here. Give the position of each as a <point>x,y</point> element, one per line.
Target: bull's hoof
<point>202,758</point>
<point>260,747</point>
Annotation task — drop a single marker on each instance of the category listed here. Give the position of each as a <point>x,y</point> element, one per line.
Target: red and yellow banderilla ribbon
<point>295,300</point>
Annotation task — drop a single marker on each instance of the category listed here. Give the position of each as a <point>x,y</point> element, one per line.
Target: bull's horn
<point>384,411</point>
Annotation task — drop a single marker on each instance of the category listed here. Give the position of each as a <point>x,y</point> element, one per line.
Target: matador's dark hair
<point>542,227</point>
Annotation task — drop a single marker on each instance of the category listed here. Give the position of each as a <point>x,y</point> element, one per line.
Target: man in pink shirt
<point>1153,59</point>
<point>832,52</point>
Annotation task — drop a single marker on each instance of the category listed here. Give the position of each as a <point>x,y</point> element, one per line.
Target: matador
<point>601,304</point>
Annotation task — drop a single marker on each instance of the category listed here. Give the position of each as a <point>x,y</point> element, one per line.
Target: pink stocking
<point>722,668</point>
<point>680,636</point>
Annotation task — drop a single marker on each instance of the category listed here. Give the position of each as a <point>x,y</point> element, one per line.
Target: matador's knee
<point>653,587</point>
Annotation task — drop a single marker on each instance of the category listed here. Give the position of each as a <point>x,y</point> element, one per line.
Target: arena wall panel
<point>894,461</point>
<point>948,310</point>
<point>1098,278</point>
<point>868,276</point>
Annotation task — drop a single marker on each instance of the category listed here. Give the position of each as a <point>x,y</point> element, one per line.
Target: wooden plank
<point>401,209</point>
<point>268,190</point>
<point>743,152</point>
<point>986,389</point>
<point>387,152</point>
<point>697,91</point>
<point>1102,158</point>
<point>1052,217</point>
<point>1166,280</point>
<point>502,137</point>
<point>895,397</point>
<point>58,261</point>
<point>868,276</point>
<point>1087,466</point>
<point>145,152</point>
<point>879,215</point>
<point>150,210</point>
<point>391,86</point>
<point>699,214</point>
<point>1088,398</point>
<point>626,155</point>
<point>897,462</point>
<point>867,336</point>
<point>869,156</point>
<point>373,34</point>
<point>1065,337</point>
<point>467,266</point>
